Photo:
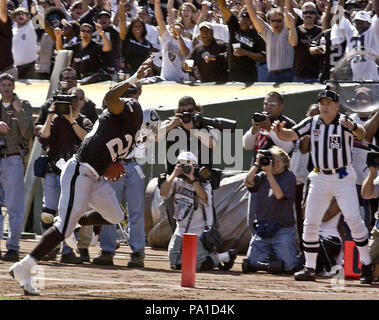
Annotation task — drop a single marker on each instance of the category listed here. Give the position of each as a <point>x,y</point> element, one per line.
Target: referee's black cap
<point>328,94</point>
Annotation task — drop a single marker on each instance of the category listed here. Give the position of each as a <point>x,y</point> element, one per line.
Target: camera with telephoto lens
<point>199,121</point>
<point>372,159</point>
<point>266,157</point>
<point>261,116</point>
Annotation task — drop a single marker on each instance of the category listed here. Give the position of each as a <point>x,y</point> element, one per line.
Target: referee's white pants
<point>81,190</point>
<point>321,191</point>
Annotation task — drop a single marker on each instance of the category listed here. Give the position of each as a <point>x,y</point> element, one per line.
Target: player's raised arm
<point>112,98</point>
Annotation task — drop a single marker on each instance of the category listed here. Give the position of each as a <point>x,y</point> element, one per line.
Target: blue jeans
<point>130,188</point>
<point>280,77</point>
<point>12,181</point>
<point>283,244</point>
<point>306,80</point>
<point>262,72</point>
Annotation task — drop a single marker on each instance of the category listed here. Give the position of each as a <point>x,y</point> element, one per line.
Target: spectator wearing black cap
<point>331,134</point>
<point>6,56</point>
<point>111,59</point>
<point>246,47</point>
<point>24,43</point>
<point>87,57</point>
<point>210,56</point>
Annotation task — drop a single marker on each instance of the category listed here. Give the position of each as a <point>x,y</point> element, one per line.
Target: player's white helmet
<point>149,123</point>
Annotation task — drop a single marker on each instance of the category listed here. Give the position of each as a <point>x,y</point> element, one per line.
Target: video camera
<point>62,100</point>
<point>266,158</point>
<point>262,116</point>
<point>200,121</point>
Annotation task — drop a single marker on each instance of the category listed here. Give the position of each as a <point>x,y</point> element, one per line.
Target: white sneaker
<point>24,278</point>
<point>72,242</point>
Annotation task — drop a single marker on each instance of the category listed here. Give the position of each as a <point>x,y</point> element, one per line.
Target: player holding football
<point>82,188</point>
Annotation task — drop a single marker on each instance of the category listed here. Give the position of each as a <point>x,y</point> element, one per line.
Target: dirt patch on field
<point>158,282</point>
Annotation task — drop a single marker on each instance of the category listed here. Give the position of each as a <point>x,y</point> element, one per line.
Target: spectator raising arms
<point>135,48</point>
<point>87,53</point>
<point>279,52</point>
<point>242,59</point>
<point>174,47</point>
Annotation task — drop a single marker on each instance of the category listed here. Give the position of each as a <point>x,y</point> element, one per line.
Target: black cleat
<point>307,274</point>
<point>11,255</point>
<point>71,258</point>
<point>105,259</point>
<point>232,257</point>
<point>367,276</point>
<point>84,255</point>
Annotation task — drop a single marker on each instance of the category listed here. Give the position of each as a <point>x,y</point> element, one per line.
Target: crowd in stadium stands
<point>205,41</point>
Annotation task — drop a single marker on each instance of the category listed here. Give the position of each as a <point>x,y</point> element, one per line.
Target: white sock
<point>364,254</point>
<point>310,259</point>
<point>224,256</point>
<point>28,262</point>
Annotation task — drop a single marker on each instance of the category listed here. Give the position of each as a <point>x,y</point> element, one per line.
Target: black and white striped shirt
<point>331,145</point>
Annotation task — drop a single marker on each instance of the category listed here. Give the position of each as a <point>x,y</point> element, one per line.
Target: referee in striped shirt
<point>331,135</point>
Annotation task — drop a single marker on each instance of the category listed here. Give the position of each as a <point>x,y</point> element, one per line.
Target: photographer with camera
<point>273,247</point>
<point>193,210</point>
<point>260,135</point>
<point>61,135</point>
<point>199,133</point>
<point>370,190</point>
<point>67,79</point>
<point>16,129</point>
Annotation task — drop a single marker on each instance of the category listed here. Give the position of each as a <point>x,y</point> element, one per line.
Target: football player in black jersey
<point>82,185</point>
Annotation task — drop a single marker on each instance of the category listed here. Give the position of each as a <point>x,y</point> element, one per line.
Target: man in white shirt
<point>175,47</point>
<point>24,43</point>
<point>362,35</point>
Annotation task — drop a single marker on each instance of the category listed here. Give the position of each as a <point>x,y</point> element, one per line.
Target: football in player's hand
<point>114,172</point>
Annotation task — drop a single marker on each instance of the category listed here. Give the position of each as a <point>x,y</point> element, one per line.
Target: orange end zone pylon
<point>352,263</point>
<point>189,246</point>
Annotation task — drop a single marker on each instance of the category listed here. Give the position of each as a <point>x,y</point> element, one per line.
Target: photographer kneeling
<point>62,134</point>
<point>273,247</point>
<point>370,190</point>
<point>192,206</point>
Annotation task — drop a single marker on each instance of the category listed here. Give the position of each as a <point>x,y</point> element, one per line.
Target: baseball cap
<point>187,156</point>
<point>104,13</point>
<point>328,94</point>
<point>363,15</point>
<point>208,3</point>
<point>206,24</point>
<point>20,9</point>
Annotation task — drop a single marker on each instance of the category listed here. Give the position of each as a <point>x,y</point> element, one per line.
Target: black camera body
<point>266,158</point>
<point>372,159</point>
<point>261,116</point>
<point>186,168</point>
<point>63,102</point>
<point>186,117</point>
